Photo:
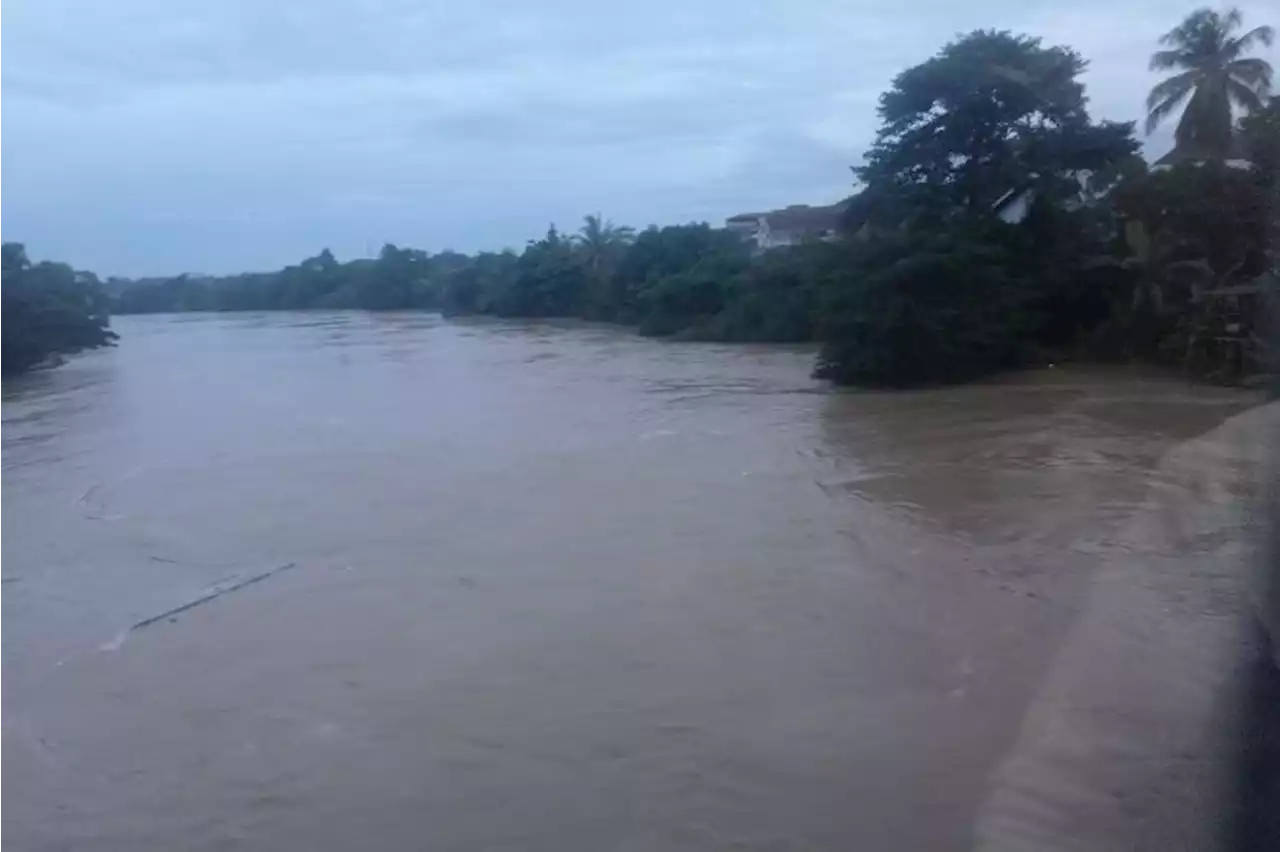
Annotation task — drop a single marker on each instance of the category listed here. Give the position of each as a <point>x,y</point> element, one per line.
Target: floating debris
<point>216,593</point>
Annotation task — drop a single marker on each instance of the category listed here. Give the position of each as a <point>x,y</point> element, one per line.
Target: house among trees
<point>1235,157</point>
<point>1014,206</point>
<point>793,225</point>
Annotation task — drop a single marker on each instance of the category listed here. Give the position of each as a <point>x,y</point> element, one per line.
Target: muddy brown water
<point>555,587</point>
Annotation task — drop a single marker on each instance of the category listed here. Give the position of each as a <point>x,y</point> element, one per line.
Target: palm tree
<point>598,235</point>
<point>602,242</point>
<point>1213,76</point>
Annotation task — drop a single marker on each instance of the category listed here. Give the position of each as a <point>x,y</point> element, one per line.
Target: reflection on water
<point>557,587</point>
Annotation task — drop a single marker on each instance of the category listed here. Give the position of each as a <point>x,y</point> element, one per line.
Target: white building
<point>789,226</point>
<point>1236,158</point>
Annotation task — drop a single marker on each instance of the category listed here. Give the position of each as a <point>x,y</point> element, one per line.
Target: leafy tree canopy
<point>989,113</point>
<point>1260,135</point>
<point>49,310</point>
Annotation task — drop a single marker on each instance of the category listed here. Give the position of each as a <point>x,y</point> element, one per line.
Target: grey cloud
<point>149,136</point>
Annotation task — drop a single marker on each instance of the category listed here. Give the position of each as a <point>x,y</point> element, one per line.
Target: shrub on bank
<point>49,310</point>
<point>918,309</point>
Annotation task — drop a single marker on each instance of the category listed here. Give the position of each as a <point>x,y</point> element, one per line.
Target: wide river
<point>553,587</point>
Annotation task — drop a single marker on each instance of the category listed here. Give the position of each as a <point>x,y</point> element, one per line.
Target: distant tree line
<point>668,280</point>
<point>49,310</point>
<point>930,280</point>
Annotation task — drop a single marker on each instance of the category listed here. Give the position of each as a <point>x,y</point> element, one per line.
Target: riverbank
<point>1129,743</point>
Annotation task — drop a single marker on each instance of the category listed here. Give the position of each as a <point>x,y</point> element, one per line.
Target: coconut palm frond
<point>1212,77</point>
<point>1163,60</point>
<point>1243,96</point>
<point>1258,35</point>
<point>1178,86</point>
<point>1162,110</point>
<point>1252,72</point>
<point>1191,26</point>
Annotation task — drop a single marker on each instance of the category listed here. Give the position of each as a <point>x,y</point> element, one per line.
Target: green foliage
<point>548,280</point>
<point>1213,76</point>
<point>681,277</point>
<point>990,113</point>
<point>1260,135</point>
<point>1210,212</point>
<point>923,307</point>
<point>1189,231</point>
<point>1149,289</point>
<point>397,279</point>
<point>658,254</point>
<point>951,292</point>
<point>49,310</point>
<point>470,288</point>
<point>601,245</point>
<point>775,299</point>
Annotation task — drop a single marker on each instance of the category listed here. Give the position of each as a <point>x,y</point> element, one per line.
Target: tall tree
<point>48,310</point>
<point>601,243</point>
<point>598,234</point>
<point>991,112</point>
<point>1213,76</point>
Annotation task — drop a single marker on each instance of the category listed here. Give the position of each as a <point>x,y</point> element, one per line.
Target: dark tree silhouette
<point>1213,76</point>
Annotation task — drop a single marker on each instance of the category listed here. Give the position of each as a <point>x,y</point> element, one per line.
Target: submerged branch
<point>192,604</point>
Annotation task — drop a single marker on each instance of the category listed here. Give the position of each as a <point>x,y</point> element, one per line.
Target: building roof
<point>1181,155</point>
<point>803,218</point>
<point>797,218</point>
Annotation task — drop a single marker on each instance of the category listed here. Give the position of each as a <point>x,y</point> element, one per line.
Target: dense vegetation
<point>929,281</point>
<point>666,280</point>
<point>49,310</point>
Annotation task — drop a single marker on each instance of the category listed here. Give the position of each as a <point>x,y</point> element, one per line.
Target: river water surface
<point>554,587</point>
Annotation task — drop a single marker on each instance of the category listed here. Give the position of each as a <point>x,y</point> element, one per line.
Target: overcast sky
<point>161,136</point>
